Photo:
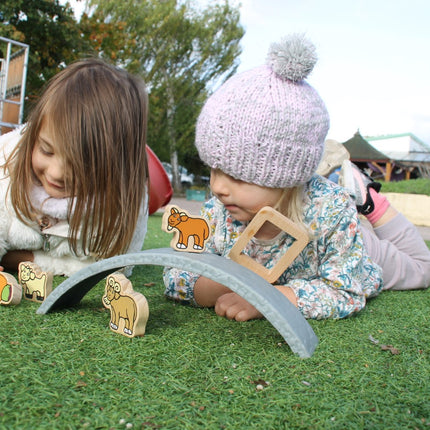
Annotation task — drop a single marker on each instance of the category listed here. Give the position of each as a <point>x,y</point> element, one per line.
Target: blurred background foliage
<point>181,50</point>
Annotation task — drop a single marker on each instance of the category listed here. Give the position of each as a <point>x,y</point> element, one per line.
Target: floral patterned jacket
<point>331,277</point>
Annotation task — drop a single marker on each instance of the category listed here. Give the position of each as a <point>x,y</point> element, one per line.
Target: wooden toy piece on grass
<point>128,309</point>
<point>268,214</point>
<point>37,285</point>
<point>10,290</point>
<point>185,227</point>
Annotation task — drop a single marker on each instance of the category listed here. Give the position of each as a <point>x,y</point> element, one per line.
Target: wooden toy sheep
<point>129,309</point>
<point>37,285</point>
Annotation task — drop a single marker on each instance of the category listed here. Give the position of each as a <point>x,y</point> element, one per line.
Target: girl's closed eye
<point>45,151</point>
<point>45,148</point>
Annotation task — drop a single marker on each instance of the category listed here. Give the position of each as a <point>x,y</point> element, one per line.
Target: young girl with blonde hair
<point>262,133</point>
<point>75,176</point>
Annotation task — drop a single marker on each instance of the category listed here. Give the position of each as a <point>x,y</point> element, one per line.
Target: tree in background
<point>181,51</point>
<point>50,30</point>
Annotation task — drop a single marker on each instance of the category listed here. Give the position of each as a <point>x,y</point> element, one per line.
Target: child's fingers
<point>224,305</point>
<point>233,306</point>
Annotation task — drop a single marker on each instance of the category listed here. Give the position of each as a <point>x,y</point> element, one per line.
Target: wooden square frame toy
<point>268,214</point>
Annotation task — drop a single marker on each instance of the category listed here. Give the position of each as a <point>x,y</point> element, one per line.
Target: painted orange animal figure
<point>187,226</point>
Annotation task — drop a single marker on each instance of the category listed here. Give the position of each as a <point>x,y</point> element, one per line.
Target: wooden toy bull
<point>180,222</point>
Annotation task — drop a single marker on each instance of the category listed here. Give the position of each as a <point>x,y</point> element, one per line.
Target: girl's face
<point>47,164</point>
<point>241,199</point>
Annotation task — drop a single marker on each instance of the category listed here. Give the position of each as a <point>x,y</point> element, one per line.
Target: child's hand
<point>233,306</point>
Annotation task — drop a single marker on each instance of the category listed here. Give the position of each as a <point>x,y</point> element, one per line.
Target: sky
<point>373,71</point>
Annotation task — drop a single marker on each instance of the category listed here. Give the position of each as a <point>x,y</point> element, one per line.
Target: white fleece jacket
<point>15,235</point>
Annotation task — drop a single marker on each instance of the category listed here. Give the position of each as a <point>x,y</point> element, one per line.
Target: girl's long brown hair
<point>98,117</point>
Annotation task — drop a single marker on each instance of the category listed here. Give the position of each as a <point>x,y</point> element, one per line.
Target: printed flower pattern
<point>331,277</point>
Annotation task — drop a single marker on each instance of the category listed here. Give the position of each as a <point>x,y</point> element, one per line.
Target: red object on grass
<point>160,189</point>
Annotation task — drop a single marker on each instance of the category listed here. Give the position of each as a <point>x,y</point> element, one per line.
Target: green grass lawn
<point>195,370</point>
<point>412,186</point>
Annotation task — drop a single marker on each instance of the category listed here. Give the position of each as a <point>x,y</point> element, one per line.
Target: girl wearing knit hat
<point>262,133</point>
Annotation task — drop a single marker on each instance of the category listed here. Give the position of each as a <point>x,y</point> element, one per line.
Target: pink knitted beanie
<point>267,126</point>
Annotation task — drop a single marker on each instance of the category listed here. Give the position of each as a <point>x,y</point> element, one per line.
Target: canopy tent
<point>361,151</point>
<point>406,150</point>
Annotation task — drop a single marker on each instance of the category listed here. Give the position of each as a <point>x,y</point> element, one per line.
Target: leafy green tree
<point>108,39</point>
<point>181,51</point>
<point>51,31</point>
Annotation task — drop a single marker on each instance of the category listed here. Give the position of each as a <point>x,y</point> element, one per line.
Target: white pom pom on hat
<point>267,126</point>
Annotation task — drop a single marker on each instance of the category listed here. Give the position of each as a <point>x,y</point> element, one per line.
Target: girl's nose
<point>56,170</point>
<point>219,183</point>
